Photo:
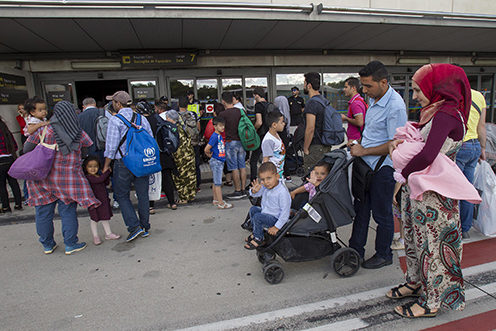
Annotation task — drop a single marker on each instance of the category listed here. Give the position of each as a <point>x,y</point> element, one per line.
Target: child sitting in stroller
<point>318,174</point>
<point>276,203</point>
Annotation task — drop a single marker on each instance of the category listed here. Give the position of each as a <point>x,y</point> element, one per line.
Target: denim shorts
<point>217,168</point>
<point>235,155</point>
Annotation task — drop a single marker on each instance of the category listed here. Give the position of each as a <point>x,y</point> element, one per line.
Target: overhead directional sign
<point>13,89</point>
<point>159,60</point>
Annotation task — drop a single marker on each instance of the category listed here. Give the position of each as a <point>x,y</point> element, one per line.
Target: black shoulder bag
<point>363,176</point>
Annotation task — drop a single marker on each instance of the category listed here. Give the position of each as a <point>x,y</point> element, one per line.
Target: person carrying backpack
<point>162,129</point>
<point>235,152</point>
<point>191,123</point>
<point>262,108</point>
<point>87,119</point>
<point>123,177</point>
<point>313,115</point>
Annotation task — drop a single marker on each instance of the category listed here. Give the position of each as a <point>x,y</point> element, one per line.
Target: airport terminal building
<point>69,50</point>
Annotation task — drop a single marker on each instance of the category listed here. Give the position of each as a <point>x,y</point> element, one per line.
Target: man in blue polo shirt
<point>386,112</point>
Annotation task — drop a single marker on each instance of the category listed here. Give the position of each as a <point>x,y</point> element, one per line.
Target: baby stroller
<point>294,152</point>
<point>311,233</point>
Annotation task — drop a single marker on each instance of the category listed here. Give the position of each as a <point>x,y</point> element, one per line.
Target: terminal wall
<point>9,112</point>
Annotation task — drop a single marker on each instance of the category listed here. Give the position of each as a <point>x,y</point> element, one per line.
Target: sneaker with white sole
<point>397,245</point>
<point>134,234</point>
<point>236,195</point>
<point>76,248</point>
<point>49,250</point>
<point>115,205</point>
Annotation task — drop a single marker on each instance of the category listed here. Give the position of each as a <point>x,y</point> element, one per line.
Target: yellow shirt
<point>473,118</point>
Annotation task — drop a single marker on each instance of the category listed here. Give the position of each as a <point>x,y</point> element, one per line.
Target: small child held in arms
<point>318,174</point>
<point>37,110</point>
<point>276,204</point>
<point>216,150</point>
<point>98,183</point>
<point>273,148</point>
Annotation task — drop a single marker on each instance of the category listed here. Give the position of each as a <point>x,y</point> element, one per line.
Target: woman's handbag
<point>363,176</point>
<point>36,164</point>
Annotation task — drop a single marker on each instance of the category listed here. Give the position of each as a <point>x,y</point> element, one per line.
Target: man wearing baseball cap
<point>123,177</point>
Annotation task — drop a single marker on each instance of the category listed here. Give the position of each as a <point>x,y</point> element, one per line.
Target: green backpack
<point>247,133</point>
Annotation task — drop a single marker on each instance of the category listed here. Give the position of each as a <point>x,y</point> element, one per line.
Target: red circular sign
<point>210,108</point>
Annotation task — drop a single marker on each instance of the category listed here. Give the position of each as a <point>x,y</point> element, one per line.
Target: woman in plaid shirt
<point>65,186</point>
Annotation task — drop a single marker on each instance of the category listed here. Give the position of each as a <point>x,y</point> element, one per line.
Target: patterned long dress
<point>185,162</point>
<point>433,242</point>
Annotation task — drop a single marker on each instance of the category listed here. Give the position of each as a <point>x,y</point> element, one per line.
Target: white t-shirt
<point>274,148</point>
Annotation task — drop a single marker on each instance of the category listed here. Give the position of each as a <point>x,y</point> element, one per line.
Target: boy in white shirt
<point>273,148</point>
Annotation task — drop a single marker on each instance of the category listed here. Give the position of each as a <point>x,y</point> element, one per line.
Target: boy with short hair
<point>273,148</point>
<point>276,204</point>
<point>216,150</point>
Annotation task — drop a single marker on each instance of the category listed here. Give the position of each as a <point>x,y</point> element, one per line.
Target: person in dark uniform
<point>296,106</point>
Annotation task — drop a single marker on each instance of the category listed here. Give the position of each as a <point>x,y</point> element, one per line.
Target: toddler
<point>103,213</point>
<point>216,150</point>
<point>318,174</point>
<point>276,204</point>
<point>37,110</point>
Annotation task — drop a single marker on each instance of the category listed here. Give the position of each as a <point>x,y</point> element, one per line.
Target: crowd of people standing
<point>378,133</point>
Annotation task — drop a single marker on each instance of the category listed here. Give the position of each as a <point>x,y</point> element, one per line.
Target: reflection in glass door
<point>179,87</point>
<point>332,90</point>
<point>250,84</point>
<point>207,90</point>
<point>58,92</point>
<point>143,90</point>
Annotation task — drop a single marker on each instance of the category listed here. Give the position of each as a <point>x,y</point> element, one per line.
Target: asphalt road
<point>191,272</point>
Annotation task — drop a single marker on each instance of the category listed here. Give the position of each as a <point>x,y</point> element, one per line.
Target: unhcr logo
<point>149,152</point>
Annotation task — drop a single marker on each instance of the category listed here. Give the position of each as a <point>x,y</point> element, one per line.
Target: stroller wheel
<point>345,261</point>
<point>261,257</point>
<point>300,172</point>
<point>264,257</point>
<point>273,272</point>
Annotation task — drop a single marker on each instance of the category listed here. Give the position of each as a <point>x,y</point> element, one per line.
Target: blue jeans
<point>235,155</point>
<point>259,220</point>
<point>217,167</point>
<point>379,200</point>
<point>123,178</point>
<point>44,223</point>
<point>466,160</point>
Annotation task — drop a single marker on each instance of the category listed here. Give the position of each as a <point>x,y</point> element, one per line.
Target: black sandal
<point>406,311</point>
<point>251,245</point>
<point>396,294</point>
<point>250,238</point>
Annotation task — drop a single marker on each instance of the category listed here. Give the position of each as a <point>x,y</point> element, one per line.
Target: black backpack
<point>167,136</point>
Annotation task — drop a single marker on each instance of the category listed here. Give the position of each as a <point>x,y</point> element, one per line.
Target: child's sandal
<point>254,244</point>
<point>225,206</point>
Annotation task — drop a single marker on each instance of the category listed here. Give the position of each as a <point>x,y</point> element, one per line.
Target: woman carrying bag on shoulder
<point>65,185</point>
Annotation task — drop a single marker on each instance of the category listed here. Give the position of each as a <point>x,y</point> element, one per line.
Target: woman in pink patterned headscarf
<point>433,243</point>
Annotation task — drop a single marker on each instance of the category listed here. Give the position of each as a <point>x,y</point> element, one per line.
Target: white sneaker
<point>396,245</point>
<point>115,205</point>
